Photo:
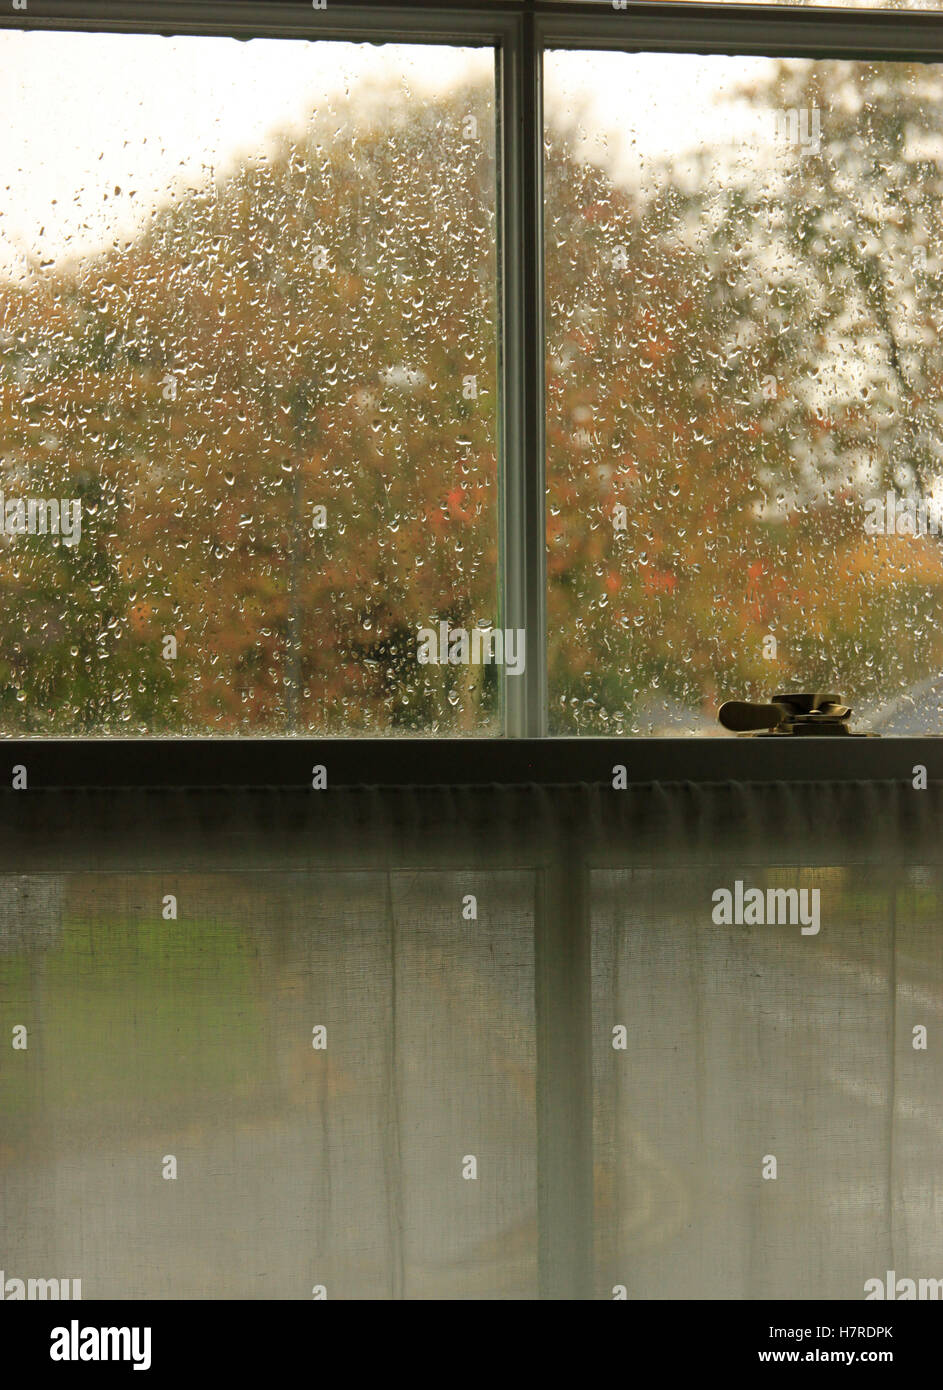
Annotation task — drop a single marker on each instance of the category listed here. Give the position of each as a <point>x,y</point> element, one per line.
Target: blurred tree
<point>738,357</point>
<point>316,331</point>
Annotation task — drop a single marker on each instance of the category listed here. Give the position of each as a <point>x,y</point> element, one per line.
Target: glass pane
<point>247,385</point>
<point>744,263</point>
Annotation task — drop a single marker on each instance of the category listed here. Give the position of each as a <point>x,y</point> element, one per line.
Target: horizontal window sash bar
<point>417,21</point>
<point>767,30</point>
<point>432,762</point>
<point>657,25</point>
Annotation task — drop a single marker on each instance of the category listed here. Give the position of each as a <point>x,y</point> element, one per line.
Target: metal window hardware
<point>789,713</point>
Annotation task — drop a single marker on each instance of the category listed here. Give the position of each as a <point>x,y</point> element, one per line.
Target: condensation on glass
<point>745,429</point>
<point>247,385</point>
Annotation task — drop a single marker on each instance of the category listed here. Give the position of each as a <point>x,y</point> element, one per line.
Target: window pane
<point>247,383</point>
<point>744,261</point>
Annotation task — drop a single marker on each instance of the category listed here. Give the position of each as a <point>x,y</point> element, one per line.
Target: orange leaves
<point>597,212</point>
<point>659,582</point>
<point>763,591</point>
<point>458,510</point>
<point>140,616</point>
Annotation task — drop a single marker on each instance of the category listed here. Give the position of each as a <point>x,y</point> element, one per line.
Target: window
<point>603,332</point>
<point>278,445</point>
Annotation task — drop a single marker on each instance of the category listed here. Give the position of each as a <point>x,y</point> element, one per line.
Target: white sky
<point>84,114</point>
<point>651,104</point>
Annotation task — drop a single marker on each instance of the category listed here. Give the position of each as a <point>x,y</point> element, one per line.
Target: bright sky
<point>84,115</point>
<point>649,104</point>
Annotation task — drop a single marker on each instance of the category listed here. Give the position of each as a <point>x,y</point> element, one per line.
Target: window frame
<point>520,32</point>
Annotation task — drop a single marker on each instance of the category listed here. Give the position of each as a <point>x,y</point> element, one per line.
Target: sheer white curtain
<point>401,1156</point>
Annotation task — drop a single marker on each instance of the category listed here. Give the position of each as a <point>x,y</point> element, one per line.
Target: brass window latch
<point>789,713</point>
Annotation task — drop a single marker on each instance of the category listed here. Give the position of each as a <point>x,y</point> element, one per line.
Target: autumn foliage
<point>319,329</point>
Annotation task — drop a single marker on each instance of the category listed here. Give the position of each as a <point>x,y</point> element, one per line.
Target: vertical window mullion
<point>523,530</point>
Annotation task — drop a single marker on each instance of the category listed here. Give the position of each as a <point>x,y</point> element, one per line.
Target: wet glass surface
<point>745,474</point>
<point>247,385</point>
